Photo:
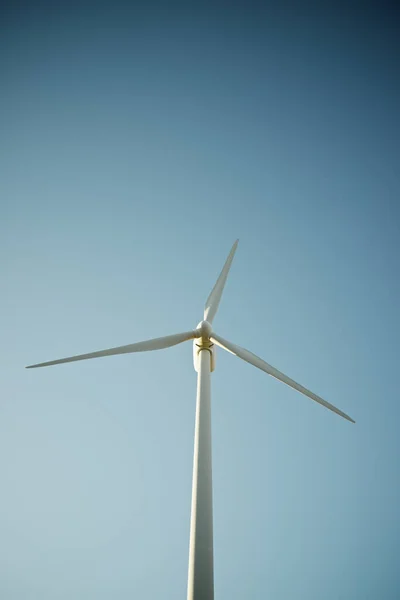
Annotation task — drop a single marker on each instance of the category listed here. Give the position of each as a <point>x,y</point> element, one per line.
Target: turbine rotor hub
<point>205,329</point>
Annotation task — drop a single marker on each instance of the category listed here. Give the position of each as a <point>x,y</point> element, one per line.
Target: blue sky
<point>137,143</point>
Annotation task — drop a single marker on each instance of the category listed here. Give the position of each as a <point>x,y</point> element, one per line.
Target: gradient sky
<point>137,143</point>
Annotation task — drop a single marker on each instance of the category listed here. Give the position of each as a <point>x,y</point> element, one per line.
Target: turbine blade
<point>155,344</point>
<point>264,366</point>
<point>213,300</point>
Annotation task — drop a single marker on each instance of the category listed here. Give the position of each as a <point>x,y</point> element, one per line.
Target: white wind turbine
<point>201,572</point>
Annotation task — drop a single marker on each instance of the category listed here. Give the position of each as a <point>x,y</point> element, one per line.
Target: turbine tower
<point>201,563</point>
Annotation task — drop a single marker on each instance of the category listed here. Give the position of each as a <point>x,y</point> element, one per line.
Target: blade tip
<point>348,418</point>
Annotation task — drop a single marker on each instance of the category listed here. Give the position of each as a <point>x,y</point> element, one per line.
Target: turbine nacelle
<point>202,342</point>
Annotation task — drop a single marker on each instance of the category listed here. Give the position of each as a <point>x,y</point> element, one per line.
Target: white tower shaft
<point>201,561</point>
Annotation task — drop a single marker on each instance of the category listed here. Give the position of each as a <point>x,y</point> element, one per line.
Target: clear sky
<point>137,143</point>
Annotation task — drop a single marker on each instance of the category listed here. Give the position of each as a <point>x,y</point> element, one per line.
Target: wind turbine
<point>201,569</point>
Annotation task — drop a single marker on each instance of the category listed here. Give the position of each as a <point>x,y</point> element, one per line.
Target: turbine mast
<point>201,556</point>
